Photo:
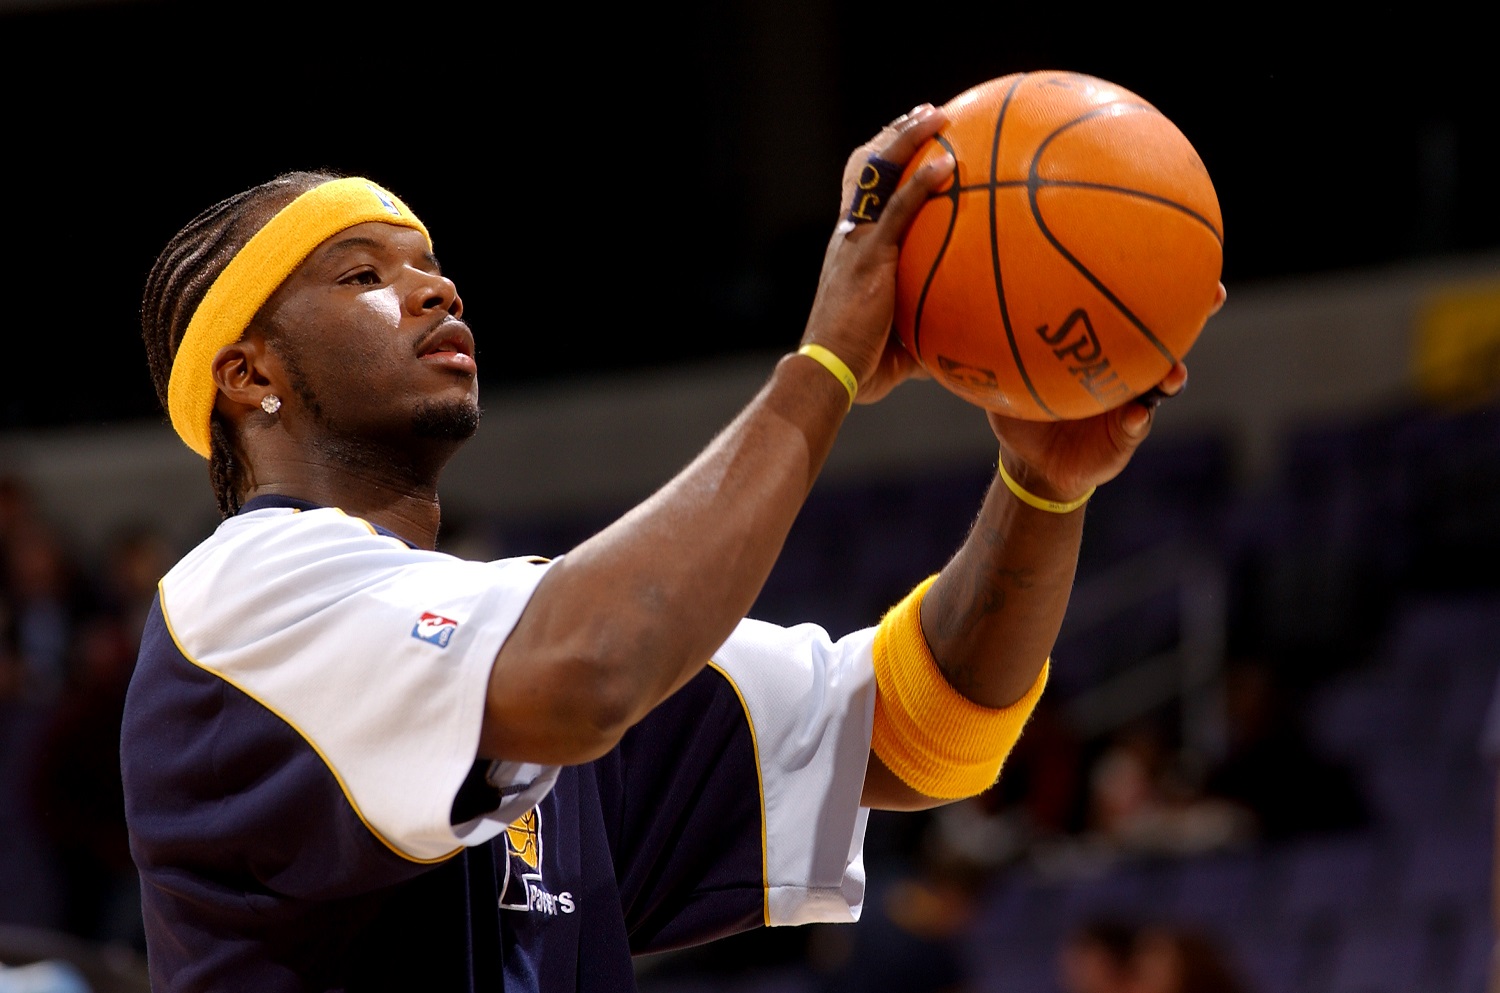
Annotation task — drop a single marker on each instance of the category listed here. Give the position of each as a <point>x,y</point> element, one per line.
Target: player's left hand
<point>1062,460</point>
<point>856,296</point>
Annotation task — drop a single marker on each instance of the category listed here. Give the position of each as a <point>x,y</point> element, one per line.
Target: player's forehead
<point>373,240</point>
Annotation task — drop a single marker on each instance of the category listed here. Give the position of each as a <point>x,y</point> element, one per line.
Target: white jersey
<point>305,719</point>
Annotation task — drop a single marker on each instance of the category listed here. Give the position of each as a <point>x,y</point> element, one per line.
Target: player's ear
<point>247,370</point>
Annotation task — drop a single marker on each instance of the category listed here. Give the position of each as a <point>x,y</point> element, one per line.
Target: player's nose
<point>433,291</point>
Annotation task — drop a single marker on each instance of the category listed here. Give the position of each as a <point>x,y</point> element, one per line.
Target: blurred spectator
<point>1182,960</point>
<point>76,791</point>
<point>913,935</point>
<point>1489,750</point>
<point>1140,802</point>
<point>10,660</point>
<point>1096,957</point>
<point>44,594</point>
<point>1116,956</point>
<point>1066,813</point>
<point>1037,800</point>
<point>1271,768</point>
<point>90,633</point>
<point>15,507</point>
<point>135,561</point>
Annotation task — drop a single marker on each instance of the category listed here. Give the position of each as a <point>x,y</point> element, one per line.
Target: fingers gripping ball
<point>1072,259</point>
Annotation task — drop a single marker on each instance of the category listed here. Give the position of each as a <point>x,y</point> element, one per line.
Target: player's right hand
<point>1063,459</point>
<point>856,297</point>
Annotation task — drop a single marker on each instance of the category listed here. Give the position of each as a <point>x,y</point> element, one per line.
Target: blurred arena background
<point>1269,699</point>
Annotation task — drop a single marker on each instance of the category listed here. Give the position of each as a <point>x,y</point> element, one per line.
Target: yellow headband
<point>250,278</point>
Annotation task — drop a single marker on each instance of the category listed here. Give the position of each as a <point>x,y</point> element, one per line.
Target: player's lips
<point>450,343</point>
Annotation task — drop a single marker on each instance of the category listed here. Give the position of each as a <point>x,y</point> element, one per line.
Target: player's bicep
<point>553,696</point>
<point>582,666</point>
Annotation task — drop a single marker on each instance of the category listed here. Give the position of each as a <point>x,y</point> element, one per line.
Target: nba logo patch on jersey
<point>435,628</point>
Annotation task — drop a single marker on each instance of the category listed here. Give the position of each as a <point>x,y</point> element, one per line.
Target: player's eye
<point>361,277</point>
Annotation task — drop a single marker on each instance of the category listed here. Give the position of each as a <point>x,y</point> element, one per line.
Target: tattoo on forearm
<point>985,591</point>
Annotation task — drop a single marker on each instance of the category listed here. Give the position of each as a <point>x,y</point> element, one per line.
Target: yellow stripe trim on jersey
<point>935,739</point>
<point>271,255</point>
<point>360,520</point>
<point>162,598</point>
<point>760,784</point>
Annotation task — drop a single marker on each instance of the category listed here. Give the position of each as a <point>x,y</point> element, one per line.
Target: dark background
<point>649,185</point>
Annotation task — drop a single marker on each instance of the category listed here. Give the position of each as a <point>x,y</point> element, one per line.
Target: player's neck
<point>380,494</point>
<point>392,486</point>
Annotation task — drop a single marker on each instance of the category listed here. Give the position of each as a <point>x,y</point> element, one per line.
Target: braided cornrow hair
<point>183,272</point>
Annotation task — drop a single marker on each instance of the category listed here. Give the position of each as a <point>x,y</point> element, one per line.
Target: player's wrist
<point>1035,489</point>
<point>833,366</point>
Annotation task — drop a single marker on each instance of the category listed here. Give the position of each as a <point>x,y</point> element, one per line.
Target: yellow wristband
<point>1042,503</point>
<point>936,740</point>
<point>833,364</point>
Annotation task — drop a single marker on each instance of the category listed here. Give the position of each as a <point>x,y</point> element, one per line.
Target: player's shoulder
<point>277,536</point>
<point>303,525</point>
<point>309,550</point>
<point>273,534</point>
<point>267,575</point>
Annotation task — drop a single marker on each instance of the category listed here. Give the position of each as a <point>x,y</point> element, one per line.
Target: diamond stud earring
<point>270,403</point>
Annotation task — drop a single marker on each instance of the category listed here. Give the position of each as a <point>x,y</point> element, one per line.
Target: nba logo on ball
<point>435,628</point>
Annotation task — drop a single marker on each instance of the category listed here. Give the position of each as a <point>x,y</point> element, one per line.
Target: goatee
<point>455,421</point>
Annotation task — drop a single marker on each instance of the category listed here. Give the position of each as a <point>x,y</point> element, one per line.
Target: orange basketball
<point>1073,257</point>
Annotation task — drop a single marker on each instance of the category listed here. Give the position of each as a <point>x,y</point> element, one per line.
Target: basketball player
<point>352,762</point>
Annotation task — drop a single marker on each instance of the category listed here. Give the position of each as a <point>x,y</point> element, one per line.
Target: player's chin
<point>452,419</point>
